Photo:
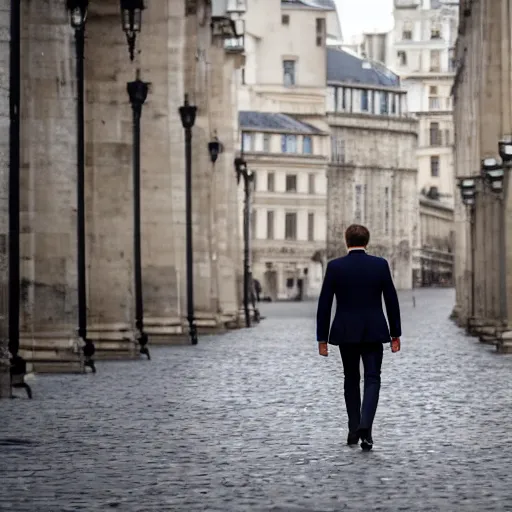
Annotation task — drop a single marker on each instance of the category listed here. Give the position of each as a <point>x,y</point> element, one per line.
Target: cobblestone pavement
<point>254,421</point>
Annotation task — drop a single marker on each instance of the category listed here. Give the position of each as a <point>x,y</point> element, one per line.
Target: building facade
<point>424,38</point>
<point>372,176</point>
<point>483,116</point>
<point>422,54</point>
<point>284,140</point>
<point>177,53</point>
<point>437,232</point>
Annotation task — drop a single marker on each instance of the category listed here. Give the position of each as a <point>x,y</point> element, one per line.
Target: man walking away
<point>359,281</point>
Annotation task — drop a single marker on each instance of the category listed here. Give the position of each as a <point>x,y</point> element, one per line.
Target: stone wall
<point>375,184</point>
<point>4,194</point>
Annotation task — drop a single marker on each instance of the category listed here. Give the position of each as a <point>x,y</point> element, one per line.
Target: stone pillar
<point>226,254</point>
<point>163,175</point>
<point>49,316</point>
<point>109,190</point>
<point>4,195</point>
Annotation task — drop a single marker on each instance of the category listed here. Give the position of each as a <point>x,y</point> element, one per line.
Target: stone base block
<point>174,331</point>
<point>504,346</point>
<point>51,352</point>
<point>113,342</point>
<point>5,382</point>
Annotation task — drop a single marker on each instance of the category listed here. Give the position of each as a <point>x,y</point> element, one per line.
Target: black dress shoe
<point>366,440</point>
<point>353,438</point>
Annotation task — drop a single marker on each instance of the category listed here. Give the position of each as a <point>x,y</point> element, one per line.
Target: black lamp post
<point>131,18</point>
<point>78,16</point>
<point>138,92</point>
<point>188,118</point>
<point>248,176</point>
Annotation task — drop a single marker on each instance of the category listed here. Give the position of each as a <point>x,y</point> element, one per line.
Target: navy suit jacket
<point>359,281</point>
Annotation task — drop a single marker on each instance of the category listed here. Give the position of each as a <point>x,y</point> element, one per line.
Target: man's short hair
<point>357,236</point>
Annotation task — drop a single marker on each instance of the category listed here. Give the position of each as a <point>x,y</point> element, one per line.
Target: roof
<point>274,122</point>
<point>342,66</point>
<point>327,5</point>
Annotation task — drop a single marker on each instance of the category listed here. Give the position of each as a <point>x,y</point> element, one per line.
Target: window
<point>291,183</point>
<point>285,19</point>
<point>435,31</point>
<point>311,184</point>
<point>289,73</point>
<point>320,31</point>
<point>331,99</point>
<point>311,227</point>
<point>253,224</point>
<point>337,150</point>
<point>407,31</point>
<point>365,104</point>
<point>270,225</point>
<point>307,145</point>
<point>266,142</point>
<point>435,60</point>
<point>247,142</point>
<point>434,102</point>
<point>434,166</point>
<point>271,182</point>
<point>340,99</point>
<point>242,76</point>
<point>290,226</point>
<point>435,134</point>
<point>289,143</point>
<point>384,102</point>
<point>393,103</point>
<point>402,58</point>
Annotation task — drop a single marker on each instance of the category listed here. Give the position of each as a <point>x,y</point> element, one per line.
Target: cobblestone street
<point>254,420</point>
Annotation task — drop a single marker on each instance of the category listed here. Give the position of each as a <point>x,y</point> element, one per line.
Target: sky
<point>358,16</point>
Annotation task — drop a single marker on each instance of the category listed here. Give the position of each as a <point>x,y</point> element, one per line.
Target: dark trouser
<point>351,354</point>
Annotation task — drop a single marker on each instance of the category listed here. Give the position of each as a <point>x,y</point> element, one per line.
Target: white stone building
<point>282,103</point>
<point>372,176</point>
<point>423,41</point>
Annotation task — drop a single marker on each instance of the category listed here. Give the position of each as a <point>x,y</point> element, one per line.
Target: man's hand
<point>323,349</point>
<point>395,344</point>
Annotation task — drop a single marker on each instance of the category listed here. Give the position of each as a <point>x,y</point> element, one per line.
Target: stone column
<point>109,190</point>
<point>4,195</point>
<point>49,316</point>
<point>227,254</point>
<point>163,193</point>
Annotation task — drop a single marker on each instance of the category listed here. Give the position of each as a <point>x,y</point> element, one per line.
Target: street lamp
<point>215,148</point>
<point>78,16</point>
<point>131,19</point>
<point>468,190</point>
<point>248,176</point>
<point>493,174</point>
<point>138,92</point>
<point>188,117</point>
